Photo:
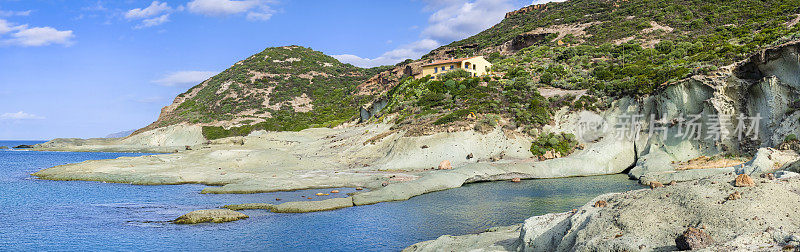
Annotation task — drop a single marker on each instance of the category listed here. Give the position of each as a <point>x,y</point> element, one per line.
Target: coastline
<point>764,217</point>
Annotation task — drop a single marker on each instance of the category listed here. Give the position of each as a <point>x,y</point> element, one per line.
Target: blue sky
<point>71,68</point>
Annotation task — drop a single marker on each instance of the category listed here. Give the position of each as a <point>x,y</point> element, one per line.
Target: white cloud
<point>4,13</point>
<point>184,78</point>
<point>256,9</point>
<point>5,26</point>
<point>155,8</point>
<point>264,15</point>
<point>451,20</point>
<point>153,21</point>
<point>409,51</point>
<point>96,7</point>
<point>460,19</point>
<point>157,13</point>
<point>38,36</point>
<point>20,116</point>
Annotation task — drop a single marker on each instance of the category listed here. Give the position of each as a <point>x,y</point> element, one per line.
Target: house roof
<point>449,61</point>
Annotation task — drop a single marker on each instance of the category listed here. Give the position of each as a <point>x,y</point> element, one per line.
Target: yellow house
<point>477,66</point>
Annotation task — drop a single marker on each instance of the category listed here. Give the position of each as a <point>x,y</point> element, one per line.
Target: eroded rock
<point>692,239</point>
<point>210,215</point>
<point>445,165</point>
<point>744,180</point>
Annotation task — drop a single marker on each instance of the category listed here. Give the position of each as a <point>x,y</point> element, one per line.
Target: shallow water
<point>77,215</point>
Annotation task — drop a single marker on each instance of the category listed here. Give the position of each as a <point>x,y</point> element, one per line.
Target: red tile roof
<point>449,61</point>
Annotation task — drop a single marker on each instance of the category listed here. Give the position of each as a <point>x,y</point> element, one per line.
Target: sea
<point>89,216</point>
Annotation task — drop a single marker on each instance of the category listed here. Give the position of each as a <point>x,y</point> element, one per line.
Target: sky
<point>74,68</point>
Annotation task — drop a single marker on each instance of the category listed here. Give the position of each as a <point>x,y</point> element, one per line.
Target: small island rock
<point>210,215</point>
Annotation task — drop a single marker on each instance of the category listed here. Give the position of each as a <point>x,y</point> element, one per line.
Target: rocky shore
<point>712,213</point>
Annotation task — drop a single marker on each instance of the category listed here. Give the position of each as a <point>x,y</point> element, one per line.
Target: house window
<point>442,68</point>
<point>473,67</point>
<point>436,70</point>
<point>451,67</point>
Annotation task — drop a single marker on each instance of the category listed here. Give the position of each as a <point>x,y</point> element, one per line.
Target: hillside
<point>628,47</point>
<point>603,50</point>
<point>281,89</point>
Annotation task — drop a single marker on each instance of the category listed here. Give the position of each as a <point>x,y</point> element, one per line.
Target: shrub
<point>561,143</point>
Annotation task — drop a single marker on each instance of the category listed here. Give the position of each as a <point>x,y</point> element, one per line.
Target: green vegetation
<point>455,97</point>
<point>692,36</point>
<point>561,143</point>
<point>263,90</point>
<point>790,138</point>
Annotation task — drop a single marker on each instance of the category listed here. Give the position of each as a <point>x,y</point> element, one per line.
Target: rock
<point>313,206</point>
<point>4,148</point>
<point>785,174</point>
<point>655,184</point>
<point>469,156</point>
<point>424,147</point>
<point>249,206</point>
<point>744,180</point>
<point>548,155</point>
<point>672,183</point>
<point>188,147</point>
<point>385,183</point>
<point>769,176</point>
<point>23,146</point>
<point>359,188</point>
<point>601,203</point>
<point>445,165</point>
<point>211,215</point>
<point>734,196</point>
<point>498,157</point>
<point>692,239</point>
<point>334,191</point>
<point>516,180</point>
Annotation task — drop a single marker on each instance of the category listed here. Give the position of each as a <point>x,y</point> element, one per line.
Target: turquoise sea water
<point>79,216</point>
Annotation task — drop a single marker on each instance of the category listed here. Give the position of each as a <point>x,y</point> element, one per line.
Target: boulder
<point>734,196</point>
<point>334,191</point>
<point>744,180</point>
<point>516,180</point>
<point>601,203</point>
<point>210,215</point>
<point>548,155</point>
<point>692,239</point>
<point>445,165</point>
<point>23,146</point>
<point>655,184</point>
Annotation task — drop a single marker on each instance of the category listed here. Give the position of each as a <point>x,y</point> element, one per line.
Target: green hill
<point>630,47</point>
<point>281,89</point>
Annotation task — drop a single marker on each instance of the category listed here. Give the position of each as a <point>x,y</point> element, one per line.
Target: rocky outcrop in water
<point>211,215</point>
